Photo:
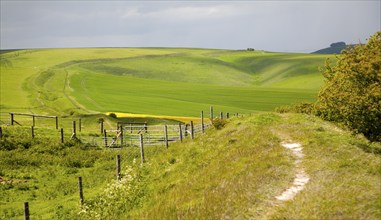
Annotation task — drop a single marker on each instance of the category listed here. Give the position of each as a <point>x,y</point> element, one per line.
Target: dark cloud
<point>275,25</point>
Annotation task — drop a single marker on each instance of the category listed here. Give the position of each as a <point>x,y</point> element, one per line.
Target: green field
<point>232,172</point>
<point>235,170</point>
<point>156,81</point>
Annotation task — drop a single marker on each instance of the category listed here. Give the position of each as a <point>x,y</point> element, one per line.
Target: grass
<point>236,172</point>
<point>178,68</point>
<point>174,98</point>
<point>96,80</point>
<point>277,69</point>
<point>18,90</point>
<point>44,173</point>
<point>230,173</point>
<point>345,180</point>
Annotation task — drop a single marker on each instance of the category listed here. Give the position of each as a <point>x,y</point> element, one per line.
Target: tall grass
<point>44,172</point>
<point>236,172</point>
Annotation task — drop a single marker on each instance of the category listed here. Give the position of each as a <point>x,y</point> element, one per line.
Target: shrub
<point>112,115</point>
<point>218,123</point>
<point>352,91</point>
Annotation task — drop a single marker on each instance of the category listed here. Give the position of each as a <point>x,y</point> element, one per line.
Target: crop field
<point>154,81</point>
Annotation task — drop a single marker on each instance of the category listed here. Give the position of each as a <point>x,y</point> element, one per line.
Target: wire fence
<point>152,135</point>
<point>158,134</point>
<point>125,136</point>
<point>127,139</point>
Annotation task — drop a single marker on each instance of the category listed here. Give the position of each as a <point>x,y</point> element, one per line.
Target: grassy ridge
<point>83,81</point>
<point>236,172</point>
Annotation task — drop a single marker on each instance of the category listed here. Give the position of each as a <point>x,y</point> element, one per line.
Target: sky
<point>283,26</point>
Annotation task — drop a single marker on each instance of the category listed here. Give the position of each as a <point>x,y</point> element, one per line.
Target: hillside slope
<point>98,80</point>
<point>237,172</point>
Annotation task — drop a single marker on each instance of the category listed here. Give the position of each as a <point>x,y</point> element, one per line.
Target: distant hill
<point>335,48</point>
<point>177,81</point>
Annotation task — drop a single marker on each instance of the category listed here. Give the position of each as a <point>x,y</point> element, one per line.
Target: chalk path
<point>301,178</point>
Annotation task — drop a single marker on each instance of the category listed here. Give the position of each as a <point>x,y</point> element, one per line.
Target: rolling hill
<point>158,81</point>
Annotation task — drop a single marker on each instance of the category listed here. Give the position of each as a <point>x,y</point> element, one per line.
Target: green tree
<point>352,91</point>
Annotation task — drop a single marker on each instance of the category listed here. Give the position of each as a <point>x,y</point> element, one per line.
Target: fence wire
<point>126,137</point>
<point>158,135</point>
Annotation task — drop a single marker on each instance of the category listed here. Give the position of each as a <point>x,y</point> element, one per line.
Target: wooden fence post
<point>118,167</point>
<point>62,135</point>
<point>142,148</point>
<point>121,135</point>
<point>74,131</point>
<point>101,126</point>
<point>12,118</point>
<point>80,125</point>
<point>227,115</point>
<point>56,122</point>
<point>33,120</point>
<point>166,136</point>
<point>145,128</point>
<point>192,130</point>
<point>80,190</point>
<point>105,136</point>
<point>221,115</point>
<point>32,131</point>
<point>202,122</point>
<point>1,132</point>
<point>180,133</point>
<point>26,210</point>
<point>186,130</point>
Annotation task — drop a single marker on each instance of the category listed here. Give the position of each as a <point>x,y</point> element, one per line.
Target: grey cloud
<point>274,25</point>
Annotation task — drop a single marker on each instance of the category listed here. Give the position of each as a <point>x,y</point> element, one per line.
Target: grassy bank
<point>237,171</point>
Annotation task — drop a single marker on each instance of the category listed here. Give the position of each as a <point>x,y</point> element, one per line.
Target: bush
<point>352,91</point>
<point>218,123</point>
<point>112,115</point>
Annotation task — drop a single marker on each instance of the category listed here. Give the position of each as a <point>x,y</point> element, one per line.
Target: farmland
<point>234,170</point>
<point>174,81</point>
